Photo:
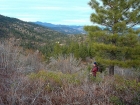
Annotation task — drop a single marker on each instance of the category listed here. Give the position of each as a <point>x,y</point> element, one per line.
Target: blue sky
<point>69,12</point>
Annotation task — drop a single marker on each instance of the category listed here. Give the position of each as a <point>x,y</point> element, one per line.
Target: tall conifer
<point>117,43</point>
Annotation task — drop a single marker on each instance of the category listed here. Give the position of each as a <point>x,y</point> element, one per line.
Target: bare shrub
<point>21,82</point>
<point>65,64</point>
<point>29,63</point>
<point>64,91</point>
<point>86,94</point>
<point>13,67</point>
<point>8,66</point>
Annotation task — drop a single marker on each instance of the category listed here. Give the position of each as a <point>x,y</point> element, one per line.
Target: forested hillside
<point>48,41</point>
<point>30,35</point>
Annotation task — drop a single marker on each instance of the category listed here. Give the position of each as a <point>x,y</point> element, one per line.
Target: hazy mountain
<point>27,33</point>
<point>67,29</point>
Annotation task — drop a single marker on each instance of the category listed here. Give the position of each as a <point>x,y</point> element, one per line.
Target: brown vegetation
<point>24,82</point>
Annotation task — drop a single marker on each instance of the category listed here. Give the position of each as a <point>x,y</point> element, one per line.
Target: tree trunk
<point>111,70</point>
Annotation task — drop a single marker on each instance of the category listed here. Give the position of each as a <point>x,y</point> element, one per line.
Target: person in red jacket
<point>94,69</point>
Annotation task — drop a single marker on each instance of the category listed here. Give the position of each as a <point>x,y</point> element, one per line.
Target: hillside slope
<point>27,33</point>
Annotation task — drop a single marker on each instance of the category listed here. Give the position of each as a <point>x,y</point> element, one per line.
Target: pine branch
<point>127,8</point>
<point>134,24</point>
<point>104,24</point>
<point>110,5</point>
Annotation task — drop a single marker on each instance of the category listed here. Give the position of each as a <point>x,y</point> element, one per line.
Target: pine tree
<point>116,43</point>
<point>57,50</point>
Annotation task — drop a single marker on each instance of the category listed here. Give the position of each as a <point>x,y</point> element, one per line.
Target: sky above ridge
<point>68,12</point>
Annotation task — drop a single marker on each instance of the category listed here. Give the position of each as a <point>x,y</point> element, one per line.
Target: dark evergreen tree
<point>117,43</point>
<point>57,49</point>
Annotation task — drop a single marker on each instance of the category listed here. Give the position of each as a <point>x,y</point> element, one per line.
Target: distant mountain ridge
<point>67,29</point>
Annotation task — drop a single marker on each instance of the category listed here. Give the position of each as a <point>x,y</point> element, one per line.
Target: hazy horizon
<point>56,12</point>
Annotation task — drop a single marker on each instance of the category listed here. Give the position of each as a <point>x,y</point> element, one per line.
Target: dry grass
<point>65,64</point>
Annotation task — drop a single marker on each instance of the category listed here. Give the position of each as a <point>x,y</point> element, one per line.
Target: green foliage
<point>116,44</point>
<point>136,100</point>
<point>79,49</point>
<point>101,67</point>
<point>122,84</point>
<point>55,79</point>
<point>97,79</point>
<point>128,88</point>
<point>57,49</point>
<point>89,68</point>
<point>116,101</point>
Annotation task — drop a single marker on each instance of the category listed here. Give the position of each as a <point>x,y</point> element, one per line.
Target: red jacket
<point>94,70</point>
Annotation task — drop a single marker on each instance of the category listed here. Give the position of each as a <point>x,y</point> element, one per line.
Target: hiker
<point>94,69</point>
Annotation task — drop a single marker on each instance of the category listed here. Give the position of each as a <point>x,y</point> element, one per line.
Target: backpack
<point>100,69</point>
